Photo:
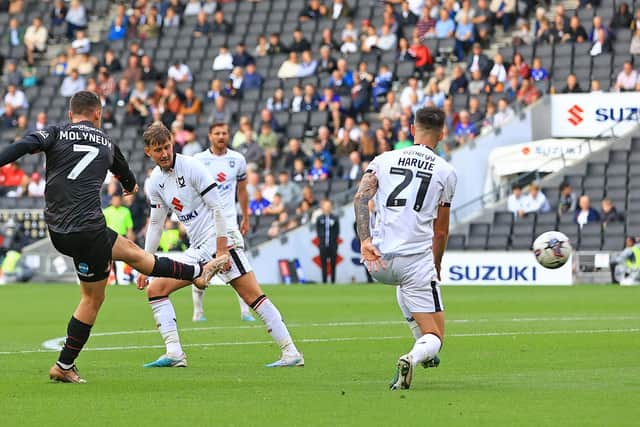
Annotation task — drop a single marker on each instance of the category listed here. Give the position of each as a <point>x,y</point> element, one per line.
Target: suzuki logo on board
<point>575,115</point>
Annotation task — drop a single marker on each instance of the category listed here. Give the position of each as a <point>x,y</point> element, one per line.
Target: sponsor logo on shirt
<point>188,217</point>
<point>221,176</point>
<point>177,204</point>
<point>181,182</point>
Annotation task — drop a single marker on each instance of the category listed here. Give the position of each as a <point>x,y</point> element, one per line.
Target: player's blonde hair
<point>156,134</point>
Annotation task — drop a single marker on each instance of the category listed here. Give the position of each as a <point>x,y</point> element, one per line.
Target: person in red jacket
<point>11,176</point>
<point>422,55</point>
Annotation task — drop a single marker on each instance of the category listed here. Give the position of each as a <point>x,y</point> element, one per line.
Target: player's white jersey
<point>181,190</point>
<point>412,183</point>
<point>227,170</point>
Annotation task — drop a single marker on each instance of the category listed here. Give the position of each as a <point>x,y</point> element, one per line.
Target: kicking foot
<point>433,363</point>
<point>199,317</point>
<point>288,361</point>
<point>167,361</point>
<point>71,375</point>
<point>404,372</point>
<point>247,317</point>
<point>209,270</point>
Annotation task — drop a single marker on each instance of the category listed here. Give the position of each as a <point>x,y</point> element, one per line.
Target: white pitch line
<point>56,343</point>
<point>342,339</point>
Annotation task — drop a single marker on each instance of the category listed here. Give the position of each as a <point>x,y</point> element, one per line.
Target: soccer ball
<point>552,249</point>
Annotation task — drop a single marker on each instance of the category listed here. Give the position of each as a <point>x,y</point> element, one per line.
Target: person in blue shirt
<point>202,28</point>
<point>318,172</point>
<point>465,130</point>
<point>117,30</point>
<point>322,153</point>
<point>252,79</point>
<point>445,26</point>
<point>538,72</point>
<point>464,36</point>
<point>258,203</point>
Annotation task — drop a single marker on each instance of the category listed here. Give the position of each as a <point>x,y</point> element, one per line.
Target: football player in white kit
<point>230,173</point>
<point>403,242</point>
<point>184,185</point>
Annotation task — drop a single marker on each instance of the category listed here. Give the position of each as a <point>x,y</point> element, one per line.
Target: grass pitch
<point>514,356</point>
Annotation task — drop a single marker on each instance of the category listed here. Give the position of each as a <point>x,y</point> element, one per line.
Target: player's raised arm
<point>31,143</point>
<point>366,190</point>
<point>121,170</point>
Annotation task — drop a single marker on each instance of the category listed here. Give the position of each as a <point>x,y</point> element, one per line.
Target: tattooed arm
<point>370,255</point>
<point>366,190</point>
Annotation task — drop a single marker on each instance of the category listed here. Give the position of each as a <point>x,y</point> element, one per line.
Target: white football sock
<point>244,307</point>
<point>275,325</point>
<point>425,348</point>
<point>165,317</point>
<point>415,329</point>
<point>197,296</point>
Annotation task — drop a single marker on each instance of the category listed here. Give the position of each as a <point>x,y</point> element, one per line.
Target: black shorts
<point>90,250</point>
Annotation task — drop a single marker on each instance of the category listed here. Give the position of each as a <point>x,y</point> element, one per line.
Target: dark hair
<point>516,186</point>
<point>564,185</point>
<point>84,103</point>
<point>156,134</point>
<point>430,119</point>
<point>218,124</point>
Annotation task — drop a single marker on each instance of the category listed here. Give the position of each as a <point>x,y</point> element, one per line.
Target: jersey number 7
<point>425,180</point>
<point>92,153</point>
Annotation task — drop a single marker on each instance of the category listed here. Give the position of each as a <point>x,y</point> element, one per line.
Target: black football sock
<point>77,336</point>
<point>166,267</point>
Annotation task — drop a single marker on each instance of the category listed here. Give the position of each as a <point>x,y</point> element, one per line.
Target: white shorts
<point>415,276</point>
<point>207,251</point>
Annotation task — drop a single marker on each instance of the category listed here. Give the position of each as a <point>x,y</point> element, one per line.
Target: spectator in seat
<point>76,18</point>
<point>322,153</point>
<point>314,10</point>
<point>386,40</point>
<point>538,72</point>
<point>602,44</point>
<point>610,213</point>
<point>504,12</point>
<point>35,39</point>
<point>171,19</point>
<point>392,109</point>
<point>178,71</point>
<point>224,60</point>
<point>528,93</point>
<point>133,72</point>
<point>252,78</point>
<point>517,202</point>
<point>483,22</point>
<point>476,84</point>
<point>445,27</point>
<point>498,70</point>
<point>250,149</point>
<point>627,78</point>
<point>585,213</point>
<point>276,206</point>
<point>289,191</point>
<point>521,68</point>
<point>576,32</point>
<point>595,86</point>
<point>295,152</point>
<point>72,83</point>
<point>268,140</point>
<point>339,9</point>
<point>276,46</point>
<point>422,55</point>
<point>523,35</point>
<point>148,71</point>
<point>476,115</point>
<point>16,98</point>
<point>36,186</point>
<point>58,13</point>
<point>192,105</point>
<point>536,201</point>
<point>478,61</point>
<point>8,118</point>
<point>311,101</point>
<point>117,30</point>
<point>622,18</point>
<point>81,44</point>
<point>464,35</point>
<point>299,171</point>
<point>258,204</point>
<point>202,27</point>
<point>504,113</point>
<point>326,63</point>
<point>307,66</point>
<point>290,67</point>
<point>242,58</point>
<point>465,130</point>
<point>405,17</point>
<point>220,25</point>
<point>277,102</point>
<point>299,44</point>
<point>221,112</point>
<point>572,85</point>
<point>459,82</point>
<point>318,171</point>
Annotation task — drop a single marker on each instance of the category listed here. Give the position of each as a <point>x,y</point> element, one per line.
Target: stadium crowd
<point>353,88</point>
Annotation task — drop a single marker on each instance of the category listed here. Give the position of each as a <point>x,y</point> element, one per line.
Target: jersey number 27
<point>425,179</point>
